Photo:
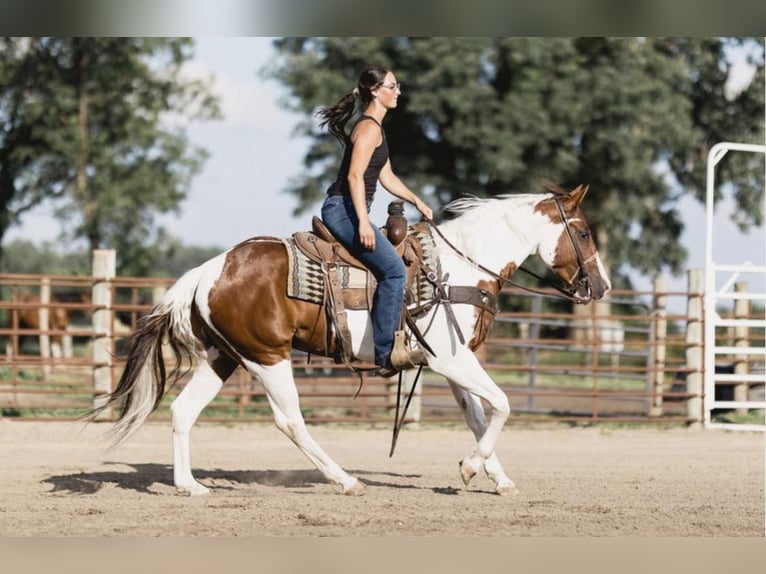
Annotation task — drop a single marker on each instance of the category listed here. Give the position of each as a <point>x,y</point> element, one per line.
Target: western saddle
<point>320,246</point>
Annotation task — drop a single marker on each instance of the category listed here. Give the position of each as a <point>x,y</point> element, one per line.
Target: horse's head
<point>569,249</point>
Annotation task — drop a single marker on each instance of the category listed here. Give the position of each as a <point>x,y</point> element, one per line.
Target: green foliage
<point>751,417</point>
<point>85,122</point>
<point>22,256</point>
<point>176,259</point>
<point>169,260</point>
<point>632,117</point>
<point>6,373</point>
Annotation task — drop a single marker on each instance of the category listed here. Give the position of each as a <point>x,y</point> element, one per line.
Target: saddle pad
<point>305,279</point>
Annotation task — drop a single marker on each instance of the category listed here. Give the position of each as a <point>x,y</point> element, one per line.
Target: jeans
<point>385,264</point>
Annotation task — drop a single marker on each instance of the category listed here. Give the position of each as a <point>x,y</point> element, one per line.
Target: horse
<point>59,317</point>
<point>233,311</point>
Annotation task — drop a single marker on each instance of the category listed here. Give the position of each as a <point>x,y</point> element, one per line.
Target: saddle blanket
<point>305,277</point>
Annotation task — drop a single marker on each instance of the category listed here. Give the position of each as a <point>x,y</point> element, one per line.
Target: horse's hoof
<point>467,472</point>
<point>356,489</point>
<point>507,490</point>
<point>195,489</point>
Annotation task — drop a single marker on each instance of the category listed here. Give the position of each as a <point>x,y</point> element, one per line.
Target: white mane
<point>494,230</point>
<point>488,212</point>
<point>472,204</point>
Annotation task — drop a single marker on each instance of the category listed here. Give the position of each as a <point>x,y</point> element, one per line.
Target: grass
<point>6,374</point>
<point>752,417</point>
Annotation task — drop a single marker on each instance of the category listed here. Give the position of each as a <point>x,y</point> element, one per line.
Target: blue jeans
<point>385,264</point>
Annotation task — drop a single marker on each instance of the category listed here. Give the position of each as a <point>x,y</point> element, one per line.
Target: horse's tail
<point>142,384</point>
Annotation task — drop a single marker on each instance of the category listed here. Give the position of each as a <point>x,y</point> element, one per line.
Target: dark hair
<point>336,117</point>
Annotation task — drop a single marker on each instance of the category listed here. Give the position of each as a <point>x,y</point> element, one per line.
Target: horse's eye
<point>584,235</point>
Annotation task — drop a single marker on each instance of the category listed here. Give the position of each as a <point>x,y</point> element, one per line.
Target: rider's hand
<point>424,209</point>
<point>366,235</point>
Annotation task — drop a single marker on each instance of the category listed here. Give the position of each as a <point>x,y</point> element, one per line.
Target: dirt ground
<point>58,479</point>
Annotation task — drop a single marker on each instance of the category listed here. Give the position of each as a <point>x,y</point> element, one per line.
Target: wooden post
<point>741,339</point>
<point>694,346</point>
<point>104,271</point>
<point>659,345</point>
<point>45,326</point>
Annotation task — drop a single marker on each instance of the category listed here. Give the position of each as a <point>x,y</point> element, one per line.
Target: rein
<point>564,292</point>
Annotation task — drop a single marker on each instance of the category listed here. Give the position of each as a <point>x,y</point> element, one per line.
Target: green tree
<point>634,118</point>
<point>176,259</point>
<point>89,124</point>
<point>23,256</point>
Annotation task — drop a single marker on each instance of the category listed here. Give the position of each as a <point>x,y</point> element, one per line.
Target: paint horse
<point>233,310</point>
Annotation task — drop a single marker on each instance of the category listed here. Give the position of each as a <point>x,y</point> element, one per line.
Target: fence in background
<point>637,356</point>
<point>722,273</point>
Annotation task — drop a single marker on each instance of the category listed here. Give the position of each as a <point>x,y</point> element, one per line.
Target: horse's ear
<point>577,195</point>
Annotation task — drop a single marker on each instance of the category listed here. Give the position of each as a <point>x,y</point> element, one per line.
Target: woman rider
<point>346,208</point>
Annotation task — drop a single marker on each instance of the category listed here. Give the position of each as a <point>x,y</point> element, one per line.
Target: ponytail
<point>336,117</point>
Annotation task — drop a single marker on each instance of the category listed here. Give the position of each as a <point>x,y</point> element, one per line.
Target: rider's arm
<point>396,186</point>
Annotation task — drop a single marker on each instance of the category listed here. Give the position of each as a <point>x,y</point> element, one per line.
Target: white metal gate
<point>719,281</point>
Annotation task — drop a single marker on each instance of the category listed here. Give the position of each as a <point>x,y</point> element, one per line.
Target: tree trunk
<point>88,206</point>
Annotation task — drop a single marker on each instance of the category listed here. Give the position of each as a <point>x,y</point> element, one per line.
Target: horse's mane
<point>469,203</point>
<point>488,214</point>
<point>463,205</point>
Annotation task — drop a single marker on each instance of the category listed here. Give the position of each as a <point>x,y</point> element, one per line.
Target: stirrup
<point>402,356</point>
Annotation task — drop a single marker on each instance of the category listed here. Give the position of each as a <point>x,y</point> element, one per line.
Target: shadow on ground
<point>143,478</point>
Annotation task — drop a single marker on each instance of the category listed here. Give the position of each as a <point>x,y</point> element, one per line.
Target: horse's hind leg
<point>477,422</point>
<point>280,389</point>
<point>199,391</point>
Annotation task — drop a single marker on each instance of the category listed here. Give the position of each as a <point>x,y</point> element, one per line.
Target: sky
<point>254,154</point>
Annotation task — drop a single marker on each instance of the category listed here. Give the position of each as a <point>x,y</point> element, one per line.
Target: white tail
<point>142,384</point>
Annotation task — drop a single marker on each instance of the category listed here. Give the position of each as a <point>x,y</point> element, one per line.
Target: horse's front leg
<point>463,370</point>
<point>477,422</point>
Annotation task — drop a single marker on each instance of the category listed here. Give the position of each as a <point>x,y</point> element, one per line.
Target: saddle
<point>320,246</point>
<point>426,286</point>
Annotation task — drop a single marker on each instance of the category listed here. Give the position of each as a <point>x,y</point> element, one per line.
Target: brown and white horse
<point>59,318</point>
<point>233,310</point>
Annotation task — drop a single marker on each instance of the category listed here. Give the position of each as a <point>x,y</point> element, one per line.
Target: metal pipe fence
<point>626,359</point>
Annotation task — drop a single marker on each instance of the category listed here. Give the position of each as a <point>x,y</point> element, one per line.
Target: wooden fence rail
<point>635,357</point>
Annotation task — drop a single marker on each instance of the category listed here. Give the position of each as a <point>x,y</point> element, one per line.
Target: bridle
<point>580,275</point>
<point>565,291</point>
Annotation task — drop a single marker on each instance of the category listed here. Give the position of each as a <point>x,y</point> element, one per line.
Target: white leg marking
<point>280,389</point>
<point>477,422</point>
<point>463,370</point>
<point>199,391</point>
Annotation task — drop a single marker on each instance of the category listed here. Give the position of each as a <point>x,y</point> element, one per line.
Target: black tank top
<point>371,174</point>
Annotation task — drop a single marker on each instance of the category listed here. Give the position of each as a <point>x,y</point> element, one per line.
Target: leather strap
<point>475,296</point>
<point>337,312</point>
